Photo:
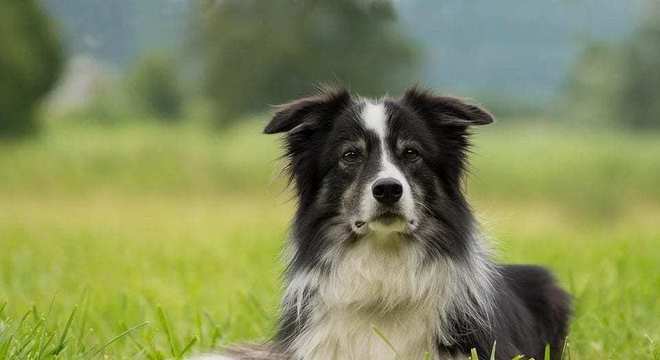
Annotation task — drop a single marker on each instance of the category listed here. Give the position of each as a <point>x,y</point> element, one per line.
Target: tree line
<point>243,55</point>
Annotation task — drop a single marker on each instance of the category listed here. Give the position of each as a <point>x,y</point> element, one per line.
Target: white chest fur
<point>381,285</point>
<point>347,335</point>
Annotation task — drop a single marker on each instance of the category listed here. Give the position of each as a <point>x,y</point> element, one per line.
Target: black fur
<point>531,311</point>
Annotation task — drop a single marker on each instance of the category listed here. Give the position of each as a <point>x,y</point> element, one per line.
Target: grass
<point>141,241</point>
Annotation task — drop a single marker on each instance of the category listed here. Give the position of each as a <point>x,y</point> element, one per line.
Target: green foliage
<point>266,52</point>
<point>620,84</point>
<point>595,86</point>
<point>639,103</point>
<point>30,62</point>
<point>109,106</point>
<point>155,87</point>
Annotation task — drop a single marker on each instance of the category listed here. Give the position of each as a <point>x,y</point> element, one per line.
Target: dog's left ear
<point>446,110</point>
<point>308,112</point>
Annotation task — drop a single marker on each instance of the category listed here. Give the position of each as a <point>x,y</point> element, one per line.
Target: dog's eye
<point>351,156</point>
<point>411,154</point>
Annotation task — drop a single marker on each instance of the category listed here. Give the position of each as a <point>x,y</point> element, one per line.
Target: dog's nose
<point>387,191</point>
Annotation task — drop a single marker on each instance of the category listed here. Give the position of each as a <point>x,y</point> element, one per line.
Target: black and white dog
<point>386,259</point>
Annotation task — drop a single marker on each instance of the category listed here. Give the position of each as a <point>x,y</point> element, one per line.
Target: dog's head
<point>387,169</point>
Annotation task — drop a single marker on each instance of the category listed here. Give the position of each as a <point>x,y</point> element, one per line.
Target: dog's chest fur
<point>340,334</point>
<point>377,293</point>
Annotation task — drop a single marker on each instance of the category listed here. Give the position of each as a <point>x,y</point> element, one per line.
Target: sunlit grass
<point>142,241</point>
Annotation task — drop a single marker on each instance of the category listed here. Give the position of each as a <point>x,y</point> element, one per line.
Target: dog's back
<point>549,305</point>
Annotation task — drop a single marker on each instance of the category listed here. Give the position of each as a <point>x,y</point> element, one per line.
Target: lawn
<point>146,241</point>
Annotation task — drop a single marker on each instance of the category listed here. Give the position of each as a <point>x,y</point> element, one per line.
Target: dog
<point>385,257</point>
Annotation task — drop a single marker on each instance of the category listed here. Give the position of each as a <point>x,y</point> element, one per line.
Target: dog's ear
<point>308,112</point>
<point>446,110</point>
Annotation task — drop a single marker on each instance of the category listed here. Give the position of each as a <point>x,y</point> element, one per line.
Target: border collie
<point>385,258</point>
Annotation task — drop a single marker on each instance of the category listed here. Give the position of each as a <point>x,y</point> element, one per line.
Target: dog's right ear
<point>308,112</point>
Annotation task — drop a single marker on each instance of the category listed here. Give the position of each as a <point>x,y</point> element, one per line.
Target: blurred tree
<point>155,86</point>
<point>258,53</point>
<point>595,85</point>
<point>620,84</point>
<point>30,62</point>
<point>639,104</point>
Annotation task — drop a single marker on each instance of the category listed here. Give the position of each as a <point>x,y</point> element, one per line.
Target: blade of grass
<point>566,351</point>
<point>4,350</point>
<point>254,303</point>
<point>35,313</point>
<point>21,324</point>
<point>189,346</point>
<point>30,338</point>
<point>135,342</point>
<point>200,327</point>
<point>154,353</point>
<point>62,343</point>
<point>40,336</point>
<point>116,338</point>
<point>168,331</point>
<point>83,320</point>
<point>473,354</point>
<point>492,352</point>
<point>385,340</point>
<point>44,337</point>
<point>546,356</point>
<point>652,346</point>
<point>216,333</point>
<point>44,345</point>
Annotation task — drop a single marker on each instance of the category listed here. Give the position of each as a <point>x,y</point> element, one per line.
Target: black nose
<point>387,191</point>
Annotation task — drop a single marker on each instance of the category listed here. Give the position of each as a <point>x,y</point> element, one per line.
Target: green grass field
<point>142,241</point>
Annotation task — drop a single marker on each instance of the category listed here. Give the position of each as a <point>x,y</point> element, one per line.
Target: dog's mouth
<point>385,222</point>
<point>388,218</point>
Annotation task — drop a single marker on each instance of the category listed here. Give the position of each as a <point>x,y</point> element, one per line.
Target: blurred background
<point>139,199</point>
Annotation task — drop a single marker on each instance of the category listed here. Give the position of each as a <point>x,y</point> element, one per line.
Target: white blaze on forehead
<point>374,118</point>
